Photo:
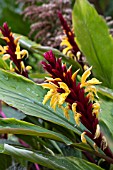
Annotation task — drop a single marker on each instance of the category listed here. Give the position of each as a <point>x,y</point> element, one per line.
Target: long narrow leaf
<point>15,126</point>
<point>53,162</point>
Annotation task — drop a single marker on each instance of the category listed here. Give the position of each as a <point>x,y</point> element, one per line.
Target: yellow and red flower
<point>80,97</point>
<point>12,51</point>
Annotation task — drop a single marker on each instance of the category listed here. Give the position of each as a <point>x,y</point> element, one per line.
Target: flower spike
<point>80,97</point>
<point>13,52</point>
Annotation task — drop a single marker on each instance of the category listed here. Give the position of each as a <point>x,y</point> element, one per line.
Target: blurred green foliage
<point>11,12</point>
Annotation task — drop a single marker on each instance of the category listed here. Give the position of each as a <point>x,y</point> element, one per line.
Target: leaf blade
<point>54,162</point>
<point>15,126</point>
<point>91,28</point>
<point>28,99</point>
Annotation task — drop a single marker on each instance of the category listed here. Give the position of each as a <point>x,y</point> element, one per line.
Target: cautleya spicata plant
<point>59,117</point>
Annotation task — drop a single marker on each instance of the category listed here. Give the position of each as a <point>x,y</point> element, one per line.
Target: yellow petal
<point>91,97</point>
<point>65,42</point>
<point>85,67</point>
<point>95,147</point>
<point>6,56</point>
<point>28,68</point>
<point>49,86</point>
<point>85,75</point>
<point>18,51</point>
<point>62,98</point>
<point>49,79</point>
<point>96,105</point>
<point>16,40</point>
<point>91,89</point>
<point>52,79</point>
<point>22,66</point>
<point>11,66</point>
<point>74,105</point>
<point>83,139</point>
<point>54,100</point>
<point>75,74</point>
<point>2,50</point>
<point>66,112</point>
<point>78,55</point>
<point>96,112</point>
<point>69,69</point>
<point>97,133</point>
<point>66,50</point>
<point>104,143</point>
<point>6,47</point>
<point>71,55</point>
<point>96,109</point>
<point>93,81</point>
<point>24,53</point>
<point>64,86</point>
<point>77,118</point>
<point>6,39</point>
<point>48,96</point>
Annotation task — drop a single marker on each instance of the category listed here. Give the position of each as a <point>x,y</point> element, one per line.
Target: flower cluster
<point>69,42</point>
<point>13,52</point>
<point>80,97</point>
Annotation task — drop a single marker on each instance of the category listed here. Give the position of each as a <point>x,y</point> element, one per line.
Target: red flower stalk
<point>81,98</point>
<point>12,51</point>
<point>69,33</point>
<point>72,49</point>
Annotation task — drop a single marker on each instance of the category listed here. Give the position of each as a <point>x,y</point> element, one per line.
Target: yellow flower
<point>65,42</point>
<point>97,133</point>
<point>74,107</point>
<point>76,114</point>
<point>2,50</point>
<point>92,92</point>
<point>18,51</point>
<point>20,54</point>
<point>85,75</point>
<point>77,118</point>
<point>56,98</point>
<point>96,109</point>
<point>83,139</point>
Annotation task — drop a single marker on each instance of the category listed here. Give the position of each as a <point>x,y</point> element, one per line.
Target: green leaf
<point>38,75</point>
<point>106,113</point>
<point>10,12</point>
<point>5,161</point>
<point>94,40</point>
<point>14,126</point>
<point>11,112</point>
<point>3,64</point>
<point>106,120</point>
<point>105,91</point>
<point>26,96</point>
<point>53,162</point>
